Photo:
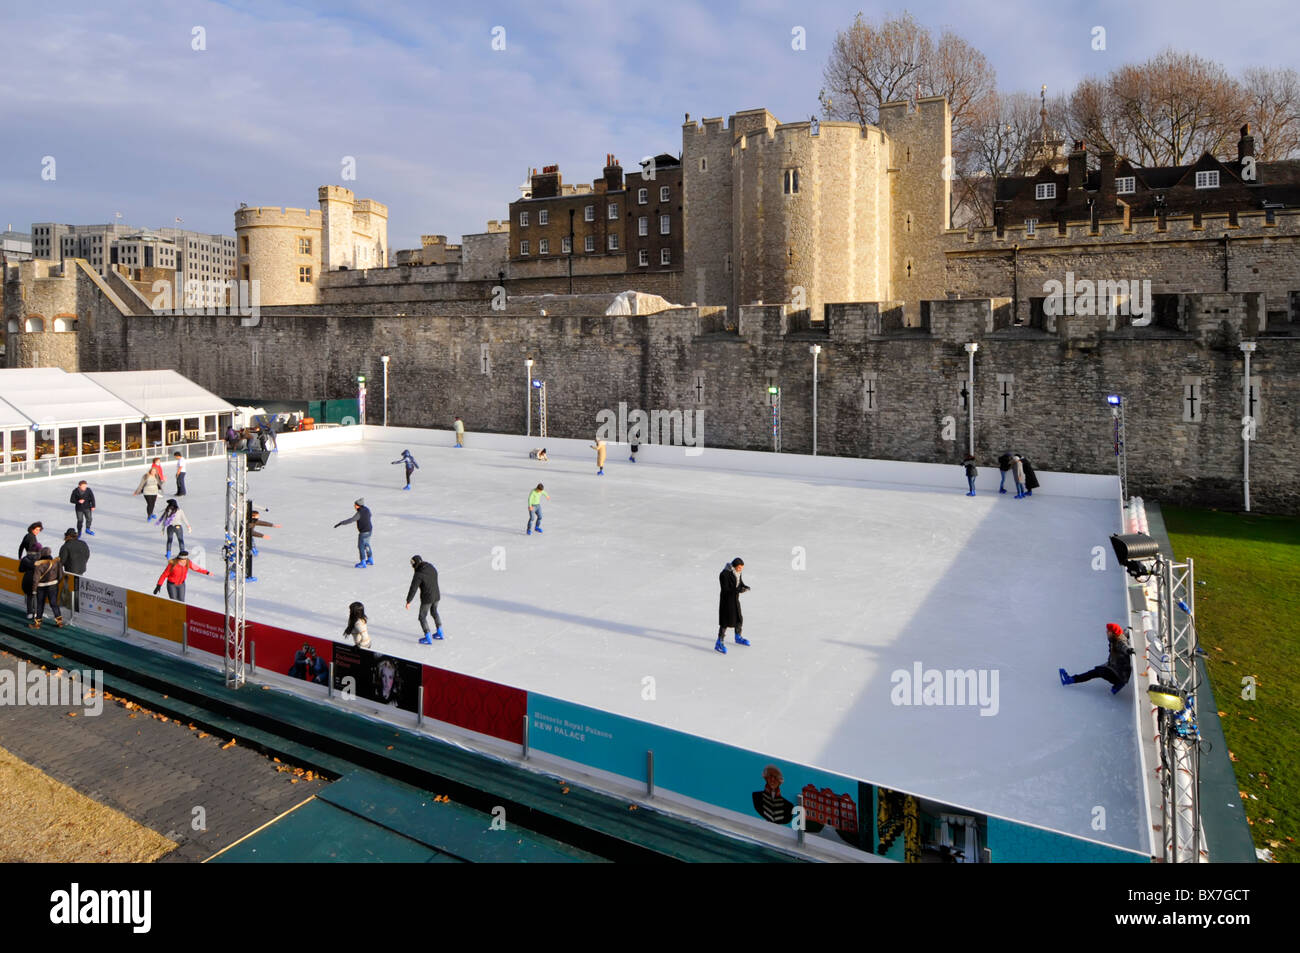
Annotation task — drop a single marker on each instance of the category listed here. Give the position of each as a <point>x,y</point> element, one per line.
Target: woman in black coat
<point>27,566</point>
<point>729,615</point>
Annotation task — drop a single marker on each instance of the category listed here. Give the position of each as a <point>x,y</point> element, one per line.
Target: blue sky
<point>443,128</point>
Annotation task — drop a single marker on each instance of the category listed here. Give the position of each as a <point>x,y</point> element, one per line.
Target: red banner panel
<point>473,703</point>
<point>277,649</point>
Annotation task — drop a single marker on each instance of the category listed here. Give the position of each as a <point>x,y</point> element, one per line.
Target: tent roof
<point>51,397</point>
<point>160,393</point>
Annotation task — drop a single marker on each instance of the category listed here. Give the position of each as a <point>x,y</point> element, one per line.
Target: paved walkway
<point>155,772</point>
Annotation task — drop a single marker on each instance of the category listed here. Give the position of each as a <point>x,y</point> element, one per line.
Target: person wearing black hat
<point>1004,464</point>
<point>425,579</point>
<point>364,528</point>
<point>1117,668</point>
<point>971,473</point>
<point>729,615</point>
<point>30,543</point>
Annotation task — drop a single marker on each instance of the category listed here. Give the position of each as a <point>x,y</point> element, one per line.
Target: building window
<point>1045,190</point>
<point>1207,180</point>
<point>613,242</point>
<point>704,165</point>
<point>304,246</point>
<point>642,196</point>
<point>1030,225</point>
<point>613,211</point>
<point>590,243</point>
<point>791,181</point>
<point>665,256</point>
<point>304,274</point>
<point>1126,185</point>
<point>643,258</point>
<point>663,193</point>
<point>665,224</point>
<point>523,219</point>
<point>243,244</point>
<point>543,217</point>
<point>1192,400</point>
<point>566,245</point>
<point>870,391</point>
<point>643,226</point>
<point>523,248</point>
<point>1005,393</point>
<point>589,213</point>
<point>544,246</point>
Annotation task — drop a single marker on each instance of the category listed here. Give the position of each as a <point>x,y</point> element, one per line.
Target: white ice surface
<point>623,585</point>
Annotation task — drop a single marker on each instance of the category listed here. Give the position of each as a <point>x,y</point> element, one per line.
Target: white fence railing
<point>51,466</point>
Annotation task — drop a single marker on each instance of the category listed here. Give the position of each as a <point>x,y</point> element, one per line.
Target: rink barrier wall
<point>905,473</point>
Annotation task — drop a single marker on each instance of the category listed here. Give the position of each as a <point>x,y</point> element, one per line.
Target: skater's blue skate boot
<point>407,487</point>
<point>741,640</point>
<point>169,554</point>
<point>600,472</point>
<point>250,579</point>
<point>1065,677</point>
<point>971,493</point>
<point>254,550</point>
<point>90,532</point>
<point>369,561</point>
<point>438,634</point>
<point>529,532</point>
<point>1114,689</point>
<point>425,640</point>
<point>720,647</point>
<point>360,565</point>
<point>538,530</point>
<point>1002,491</point>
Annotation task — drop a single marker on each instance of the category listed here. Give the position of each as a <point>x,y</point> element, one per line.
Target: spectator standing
<point>30,543</point>
<point>180,473</point>
<point>47,579</point>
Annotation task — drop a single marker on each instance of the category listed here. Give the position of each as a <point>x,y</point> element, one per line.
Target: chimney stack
<point>1246,144</point>
<point>1078,165</point>
<point>1106,187</point>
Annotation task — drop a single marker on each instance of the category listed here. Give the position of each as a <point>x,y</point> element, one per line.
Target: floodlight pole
<point>814,350</point>
<point>234,566</point>
<point>1121,448</point>
<point>528,391</point>
<point>361,398</point>
<point>1247,422</point>
<point>385,360</point>
<point>970,397</point>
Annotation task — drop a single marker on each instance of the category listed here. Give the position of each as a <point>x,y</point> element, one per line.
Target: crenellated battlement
<point>1176,228</point>
<point>275,215</point>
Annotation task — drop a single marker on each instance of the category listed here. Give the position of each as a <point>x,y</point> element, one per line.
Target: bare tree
<point>1273,97</point>
<point>1003,133</point>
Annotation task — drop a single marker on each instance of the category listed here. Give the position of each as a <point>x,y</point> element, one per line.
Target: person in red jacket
<point>174,575</point>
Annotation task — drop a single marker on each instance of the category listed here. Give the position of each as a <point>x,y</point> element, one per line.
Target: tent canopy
<point>49,397</point>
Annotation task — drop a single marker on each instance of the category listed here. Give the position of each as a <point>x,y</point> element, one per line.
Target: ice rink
<point>851,583</point>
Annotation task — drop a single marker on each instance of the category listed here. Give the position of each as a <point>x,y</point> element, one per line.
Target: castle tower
<point>280,249</point>
<point>336,206</point>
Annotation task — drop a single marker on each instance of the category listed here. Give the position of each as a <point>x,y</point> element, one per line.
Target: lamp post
<point>385,360</point>
<point>1116,403</point>
<point>361,397</point>
<point>970,398</point>
<point>1247,421</point>
<point>815,350</point>
<point>528,393</point>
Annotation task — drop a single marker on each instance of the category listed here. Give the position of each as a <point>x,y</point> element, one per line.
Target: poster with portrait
<point>379,678</point>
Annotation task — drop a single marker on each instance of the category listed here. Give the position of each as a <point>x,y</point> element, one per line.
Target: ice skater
<point>1117,669</point>
<point>1031,479</point>
<point>538,453</point>
<point>364,528</point>
<point>83,502</point>
<point>357,630</point>
<point>535,507</point>
<point>173,523</point>
<point>30,543</point>
<point>636,447</point>
<point>460,432</point>
<point>971,473</point>
<point>599,447</point>
<point>1018,469</point>
<point>47,580</point>
<point>729,615</point>
<point>253,521</point>
<point>425,579</point>
<point>180,473</point>
<point>1004,464</point>
<point>174,574</point>
<point>411,466</point>
<point>150,485</point>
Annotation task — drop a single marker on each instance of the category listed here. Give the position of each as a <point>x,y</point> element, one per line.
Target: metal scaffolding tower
<point>774,398</point>
<point>1180,734</point>
<point>541,409</point>
<point>235,552</point>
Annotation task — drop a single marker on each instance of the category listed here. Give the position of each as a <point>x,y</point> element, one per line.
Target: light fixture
<point>1114,400</point>
<point>1168,697</point>
<point>536,382</point>
<point>1136,551</point>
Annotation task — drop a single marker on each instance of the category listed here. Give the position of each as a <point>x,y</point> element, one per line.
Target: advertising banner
<point>379,678</point>
<point>474,703</point>
<point>103,606</point>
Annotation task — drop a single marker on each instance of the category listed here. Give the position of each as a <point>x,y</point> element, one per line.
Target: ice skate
<point>1065,678</point>
<point>425,640</point>
<point>438,634</point>
<point>1114,689</point>
<point>369,561</point>
<point>90,532</point>
<point>741,640</point>
<point>720,647</point>
<point>360,565</point>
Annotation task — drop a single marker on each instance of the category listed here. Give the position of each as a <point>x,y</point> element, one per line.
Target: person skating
<point>1031,480</point>
<point>1117,669</point>
<point>30,543</point>
<point>971,473</point>
<point>180,473</point>
<point>250,526</point>
<point>47,579</point>
<point>364,528</point>
<point>539,454</point>
<point>425,579</point>
<point>74,554</point>
<point>599,447</point>
<point>1004,465</point>
<point>174,574</point>
<point>729,615</point>
<point>411,466</point>
<point>83,502</point>
<point>535,507</point>
<point>636,447</point>
<point>173,523</point>
<point>150,485</point>
<point>357,629</point>
<point>460,432</point>
<point>1018,469</point>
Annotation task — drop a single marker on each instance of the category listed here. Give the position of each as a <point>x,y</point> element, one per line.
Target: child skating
<point>411,466</point>
<point>535,507</point>
<point>174,524</point>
